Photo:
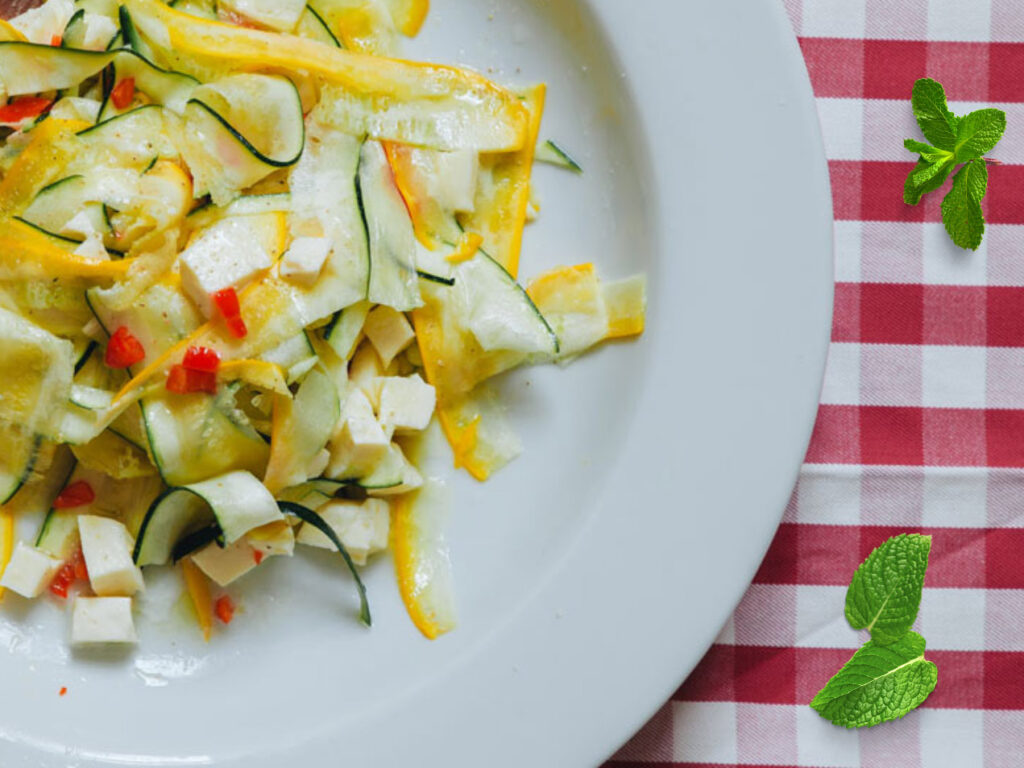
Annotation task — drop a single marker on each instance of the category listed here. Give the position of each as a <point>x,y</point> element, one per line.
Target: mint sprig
<point>955,141</point>
<point>880,683</point>
<point>889,676</point>
<point>885,593</point>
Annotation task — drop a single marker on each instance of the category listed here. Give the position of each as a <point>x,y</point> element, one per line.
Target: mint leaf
<point>961,208</point>
<point>926,177</point>
<point>978,133</point>
<point>885,593</point>
<point>880,683</point>
<point>954,140</point>
<point>927,151</point>
<point>938,124</point>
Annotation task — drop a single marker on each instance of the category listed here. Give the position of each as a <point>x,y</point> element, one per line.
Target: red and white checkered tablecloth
<point>921,425</point>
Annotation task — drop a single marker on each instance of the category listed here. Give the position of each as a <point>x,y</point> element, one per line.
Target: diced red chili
<point>226,301</point>
<point>224,608</point>
<point>123,93</point>
<point>236,326</point>
<point>78,494</point>
<point>201,359</point>
<point>63,580</point>
<point>257,555</point>
<point>56,40</point>
<point>63,690</point>
<point>23,108</point>
<point>124,350</point>
<point>182,381</point>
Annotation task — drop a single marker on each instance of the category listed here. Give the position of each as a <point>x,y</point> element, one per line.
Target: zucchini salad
<point>248,254</point>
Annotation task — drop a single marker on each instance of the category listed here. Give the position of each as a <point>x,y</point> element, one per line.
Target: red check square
<point>892,436</point>
<point>892,66</point>
<point>891,314</point>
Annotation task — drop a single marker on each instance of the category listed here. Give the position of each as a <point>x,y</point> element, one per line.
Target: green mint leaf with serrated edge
<point>880,683</point>
<point>885,593</point>
<point>938,124</point>
<point>978,133</point>
<point>926,177</point>
<point>961,209</point>
<point>927,151</point>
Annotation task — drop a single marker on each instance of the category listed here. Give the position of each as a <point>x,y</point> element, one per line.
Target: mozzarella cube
<point>227,255</point>
<point>362,527</point>
<point>79,225</point>
<point>227,564</point>
<point>99,31</point>
<point>359,446</point>
<point>92,248</point>
<point>406,404</point>
<point>303,262</point>
<point>107,547</point>
<point>364,372</point>
<point>102,620</point>
<point>389,332</point>
<point>30,571</point>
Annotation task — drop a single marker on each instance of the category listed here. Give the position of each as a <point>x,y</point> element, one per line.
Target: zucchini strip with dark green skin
<point>307,515</point>
<point>549,152</point>
<point>449,281</point>
<point>193,542</point>
<point>286,162</point>
<point>15,474</point>
<point>85,356</point>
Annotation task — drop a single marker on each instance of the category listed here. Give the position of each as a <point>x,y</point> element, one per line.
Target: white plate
<point>594,572</point>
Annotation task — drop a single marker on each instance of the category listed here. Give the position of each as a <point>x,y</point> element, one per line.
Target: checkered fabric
<point>921,425</point>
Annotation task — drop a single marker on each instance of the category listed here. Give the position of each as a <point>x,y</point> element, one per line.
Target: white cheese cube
<point>304,260</point>
<point>362,527</point>
<point>30,571</point>
<point>102,620</point>
<point>358,447</point>
<point>79,225</point>
<point>99,31</point>
<point>92,248</point>
<point>406,404</point>
<point>107,547</point>
<point>227,255</point>
<point>389,332</point>
<point>228,564</point>
<point>357,404</point>
<point>363,372</point>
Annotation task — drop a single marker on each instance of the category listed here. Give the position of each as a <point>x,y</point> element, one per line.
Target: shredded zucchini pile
<point>247,254</point>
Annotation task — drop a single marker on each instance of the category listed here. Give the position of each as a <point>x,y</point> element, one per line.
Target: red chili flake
<point>201,359</point>
<point>78,494</point>
<point>124,350</point>
<point>257,555</point>
<point>56,40</point>
<point>123,93</point>
<point>182,381</point>
<point>224,608</point>
<point>23,108</point>
<point>63,691</point>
